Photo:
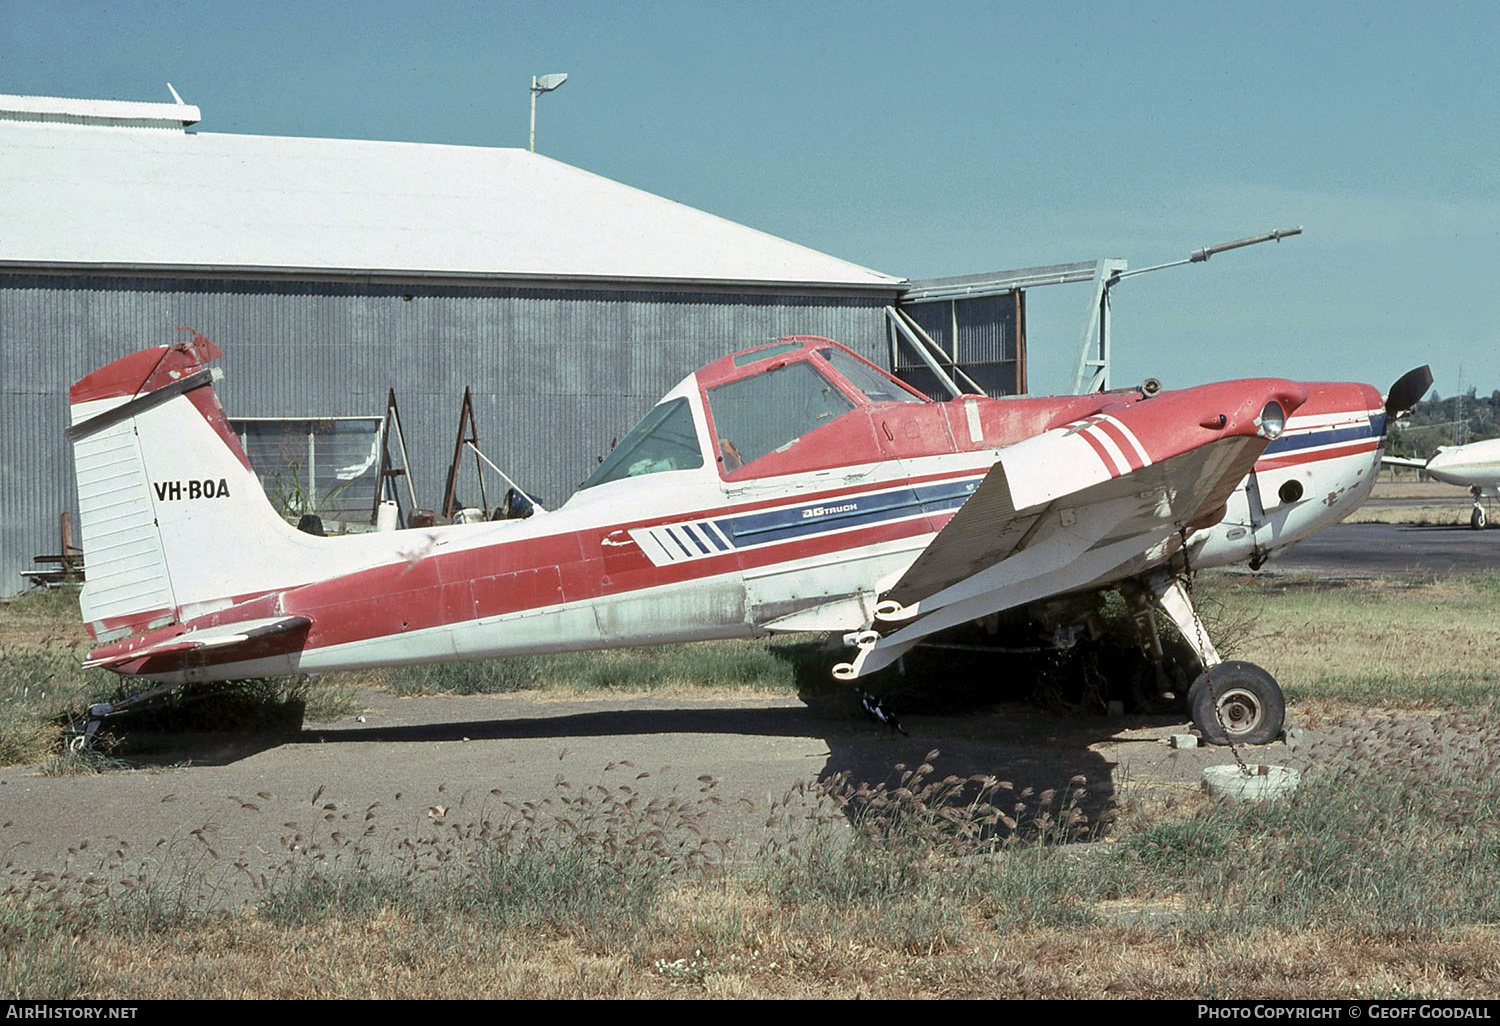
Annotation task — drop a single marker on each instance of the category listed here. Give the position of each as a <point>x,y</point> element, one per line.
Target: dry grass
<point>1374,881</point>
<point>389,959</point>
<point>1408,501</point>
<point>1407,487</point>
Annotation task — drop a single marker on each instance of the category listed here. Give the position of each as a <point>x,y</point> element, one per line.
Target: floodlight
<point>544,84</point>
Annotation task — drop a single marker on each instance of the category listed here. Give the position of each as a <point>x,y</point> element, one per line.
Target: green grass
<point>41,677</point>
<point>1413,643</point>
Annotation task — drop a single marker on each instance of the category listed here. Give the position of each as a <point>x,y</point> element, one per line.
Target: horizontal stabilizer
<point>221,639</point>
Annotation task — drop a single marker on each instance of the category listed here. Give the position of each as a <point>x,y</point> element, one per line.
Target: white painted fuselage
<point>1476,465</point>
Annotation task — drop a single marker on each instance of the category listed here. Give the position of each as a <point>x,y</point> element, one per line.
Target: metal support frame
<point>468,436</point>
<point>922,344</point>
<point>1093,370</point>
<point>535,504</point>
<point>1093,360</point>
<point>388,469</point>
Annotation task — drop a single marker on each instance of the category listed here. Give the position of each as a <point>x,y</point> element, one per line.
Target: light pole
<point>545,84</point>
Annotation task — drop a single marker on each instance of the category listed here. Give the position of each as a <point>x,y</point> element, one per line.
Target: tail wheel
<point>1243,705</point>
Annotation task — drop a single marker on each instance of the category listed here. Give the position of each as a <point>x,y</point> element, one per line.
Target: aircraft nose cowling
<point>1450,466</point>
<point>1257,411</point>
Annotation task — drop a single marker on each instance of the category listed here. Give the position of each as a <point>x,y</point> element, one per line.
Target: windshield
<point>770,411</point>
<point>877,387</point>
<point>663,440</point>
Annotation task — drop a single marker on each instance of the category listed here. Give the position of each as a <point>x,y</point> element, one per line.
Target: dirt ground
<point>402,764</point>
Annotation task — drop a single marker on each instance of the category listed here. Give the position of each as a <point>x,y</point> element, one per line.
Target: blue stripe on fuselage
<point>842,513</point>
<point>1374,428</point>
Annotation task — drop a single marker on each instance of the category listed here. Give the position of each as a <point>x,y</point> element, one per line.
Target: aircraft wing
<point>1402,461</point>
<point>235,639</point>
<point>1083,505</point>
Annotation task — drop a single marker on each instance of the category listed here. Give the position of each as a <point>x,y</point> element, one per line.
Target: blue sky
<point>928,139</point>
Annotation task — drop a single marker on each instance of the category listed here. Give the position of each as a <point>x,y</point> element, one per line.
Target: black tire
<point>1478,520</point>
<point>1250,710</point>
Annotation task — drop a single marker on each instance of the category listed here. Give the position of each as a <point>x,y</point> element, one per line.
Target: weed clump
<point>586,862</point>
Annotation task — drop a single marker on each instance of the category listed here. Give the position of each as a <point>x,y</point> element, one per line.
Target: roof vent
<point>100,113</point>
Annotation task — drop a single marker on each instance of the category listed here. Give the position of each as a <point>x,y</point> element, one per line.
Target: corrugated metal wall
<point>556,373</point>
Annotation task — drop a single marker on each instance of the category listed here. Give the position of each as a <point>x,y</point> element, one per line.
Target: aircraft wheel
<point>1478,520</point>
<point>1250,710</point>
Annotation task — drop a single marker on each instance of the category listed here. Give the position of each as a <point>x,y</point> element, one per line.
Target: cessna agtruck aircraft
<point>790,487</point>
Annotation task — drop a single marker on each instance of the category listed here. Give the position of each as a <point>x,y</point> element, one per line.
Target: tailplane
<point>174,521</point>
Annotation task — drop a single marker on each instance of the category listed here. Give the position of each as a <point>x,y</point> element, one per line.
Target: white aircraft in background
<point>1476,466</point>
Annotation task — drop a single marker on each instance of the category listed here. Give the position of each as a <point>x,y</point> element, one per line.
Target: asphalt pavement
<point>1428,550</point>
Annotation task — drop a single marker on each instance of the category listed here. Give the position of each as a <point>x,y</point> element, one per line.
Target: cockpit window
<point>663,440</point>
<point>770,411</point>
<point>757,355</point>
<point>876,386</point>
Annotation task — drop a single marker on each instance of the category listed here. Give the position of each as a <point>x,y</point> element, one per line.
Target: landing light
<point>1272,420</point>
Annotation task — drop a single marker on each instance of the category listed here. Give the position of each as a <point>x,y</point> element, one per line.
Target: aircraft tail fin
<point>174,520</point>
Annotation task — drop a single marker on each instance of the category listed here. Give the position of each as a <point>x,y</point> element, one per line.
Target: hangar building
<point>334,272</point>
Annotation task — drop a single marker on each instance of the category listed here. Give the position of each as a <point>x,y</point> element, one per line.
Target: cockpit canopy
<point>760,407</point>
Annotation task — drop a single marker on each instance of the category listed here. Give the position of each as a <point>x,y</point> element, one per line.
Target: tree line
<point>1437,421</point>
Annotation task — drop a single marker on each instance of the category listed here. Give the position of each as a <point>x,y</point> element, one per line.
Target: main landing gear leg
<point>1173,665</point>
<point>1231,702</point>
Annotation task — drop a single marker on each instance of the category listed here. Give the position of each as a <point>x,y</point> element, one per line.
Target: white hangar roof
<point>122,185</point>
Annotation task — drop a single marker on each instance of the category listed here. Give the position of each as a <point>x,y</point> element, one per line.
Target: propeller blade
<point>1408,391</point>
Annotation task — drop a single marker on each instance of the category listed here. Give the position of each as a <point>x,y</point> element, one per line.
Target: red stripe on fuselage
<point>1294,459</point>
<point>1110,463</point>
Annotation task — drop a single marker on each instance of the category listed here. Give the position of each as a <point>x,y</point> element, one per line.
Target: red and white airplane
<point>790,487</point>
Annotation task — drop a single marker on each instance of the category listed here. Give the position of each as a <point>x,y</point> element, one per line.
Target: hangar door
<point>978,343</point>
